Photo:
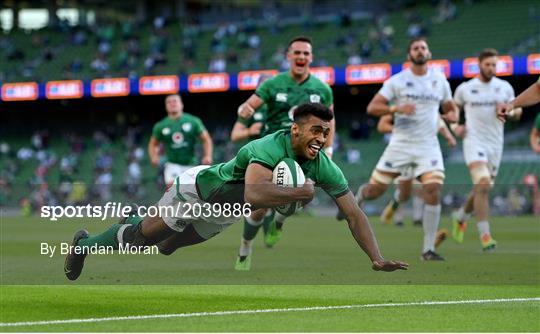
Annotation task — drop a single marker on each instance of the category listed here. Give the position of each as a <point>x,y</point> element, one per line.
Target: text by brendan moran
<point>124,249</point>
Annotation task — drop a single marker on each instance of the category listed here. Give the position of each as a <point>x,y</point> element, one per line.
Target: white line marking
<point>272,310</point>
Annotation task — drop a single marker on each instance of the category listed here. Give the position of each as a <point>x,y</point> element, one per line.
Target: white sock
<point>418,208</point>
<point>245,247</point>
<point>396,195</point>
<point>432,214</point>
<point>483,228</point>
<point>398,215</point>
<point>462,215</point>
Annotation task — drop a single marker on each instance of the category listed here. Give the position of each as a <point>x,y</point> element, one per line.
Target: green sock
<point>395,204</point>
<point>133,220</point>
<point>250,231</point>
<point>107,238</point>
<point>267,222</point>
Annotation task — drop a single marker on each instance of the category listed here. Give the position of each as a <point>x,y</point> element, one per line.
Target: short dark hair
<point>299,39</point>
<point>316,109</point>
<point>414,40</point>
<point>486,53</point>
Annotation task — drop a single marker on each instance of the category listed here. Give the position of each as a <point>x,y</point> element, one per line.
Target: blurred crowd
<point>110,47</point>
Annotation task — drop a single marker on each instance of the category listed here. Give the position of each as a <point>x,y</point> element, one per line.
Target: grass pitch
<point>317,264</point>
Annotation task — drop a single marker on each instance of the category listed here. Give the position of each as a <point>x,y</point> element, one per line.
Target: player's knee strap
<point>132,235</point>
<point>479,173</point>
<point>378,177</point>
<point>434,177</point>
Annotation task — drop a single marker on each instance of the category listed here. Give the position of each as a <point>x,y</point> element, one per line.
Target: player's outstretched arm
<point>247,109</point>
<point>261,192</point>
<point>528,97</point>
<point>362,233</point>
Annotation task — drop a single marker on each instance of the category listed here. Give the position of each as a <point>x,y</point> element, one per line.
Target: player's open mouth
<point>314,149</point>
<point>300,63</point>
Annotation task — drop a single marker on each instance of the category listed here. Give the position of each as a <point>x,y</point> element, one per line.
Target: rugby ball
<point>288,173</point>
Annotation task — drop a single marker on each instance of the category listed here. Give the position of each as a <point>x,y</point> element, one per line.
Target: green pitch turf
<point>317,264</point>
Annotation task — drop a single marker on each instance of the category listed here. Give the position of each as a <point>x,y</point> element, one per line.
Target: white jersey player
<point>414,97</point>
<point>483,140</point>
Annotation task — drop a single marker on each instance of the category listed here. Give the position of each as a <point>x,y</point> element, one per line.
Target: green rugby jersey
<point>258,116</point>
<point>281,94</point>
<point>225,182</point>
<point>179,137</point>
<point>537,122</point>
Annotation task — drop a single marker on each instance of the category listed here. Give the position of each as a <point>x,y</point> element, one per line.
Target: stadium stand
<point>170,47</point>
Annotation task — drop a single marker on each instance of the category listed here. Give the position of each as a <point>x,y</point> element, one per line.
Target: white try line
<point>271,310</point>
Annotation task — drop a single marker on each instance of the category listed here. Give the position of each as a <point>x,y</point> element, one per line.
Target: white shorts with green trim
<point>182,198</point>
<point>172,171</point>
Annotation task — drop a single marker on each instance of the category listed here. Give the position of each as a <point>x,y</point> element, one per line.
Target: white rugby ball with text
<point>288,173</point>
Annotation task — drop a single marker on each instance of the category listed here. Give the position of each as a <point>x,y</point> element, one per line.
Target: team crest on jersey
<point>497,90</point>
<point>474,91</point>
<point>281,97</point>
<point>186,127</point>
<point>434,84</point>
<point>409,84</point>
<point>177,137</point>
<point>434,163</point>
<point>166,131</point>
<point>314,98</point>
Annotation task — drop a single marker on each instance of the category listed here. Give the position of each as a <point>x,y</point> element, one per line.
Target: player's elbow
<point>372,109</point>
<point>252,197</point>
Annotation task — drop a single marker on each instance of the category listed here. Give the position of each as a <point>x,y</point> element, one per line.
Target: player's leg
<point>148,232</point>
<point>391,164</point>
<point>392,210</point>
<point>251,227</point>
<point>482,180</point>
<point>432,182</point>
<point>461,217</point>
<point>275,229</point>
<point>379,182</point>
<point>194,233</point>
<point>417,203</point>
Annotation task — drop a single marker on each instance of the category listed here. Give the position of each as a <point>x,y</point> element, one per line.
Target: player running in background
<point>179,132</point>
<point>281,94</point>
<point>483,137</point>
<point>247,177</point>
<point>407,184</point>
<point>414,96</point>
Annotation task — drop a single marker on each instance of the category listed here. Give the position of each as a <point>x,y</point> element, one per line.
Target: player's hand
<point>460,131</point>
<point>502,110</point>
<point>309,191</point>
<point>385,265</point>
<point>407,109</point>
<point>450,117</point>
<point>245,111</point>
<point>206,160</point>
<point>154,160</point>
<point>255,129</point>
